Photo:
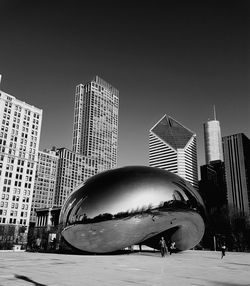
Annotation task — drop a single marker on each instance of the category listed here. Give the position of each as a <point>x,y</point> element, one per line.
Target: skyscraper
<point>73,170</point>
<point>20,125</point>
<point>213,140</point>
<point>95,129</point>
<point>173,147</point>
<point>212,185</point>
<point>45,182</point>
<point>237,165</point>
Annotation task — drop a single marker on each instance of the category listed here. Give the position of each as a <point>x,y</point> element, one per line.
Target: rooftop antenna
<point>214,112</point>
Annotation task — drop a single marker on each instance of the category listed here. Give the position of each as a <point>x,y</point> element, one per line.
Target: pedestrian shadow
<point>147,253</point>
<point>25,278</point>
<point>218,283</point>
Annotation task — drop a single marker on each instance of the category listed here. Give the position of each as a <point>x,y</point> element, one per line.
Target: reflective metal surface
<point>132,205</point>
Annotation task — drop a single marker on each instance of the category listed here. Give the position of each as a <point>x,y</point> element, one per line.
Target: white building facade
<point>95,128</point>
<point>173,147</point>
<point>20,128</point>
<point>213,141</point>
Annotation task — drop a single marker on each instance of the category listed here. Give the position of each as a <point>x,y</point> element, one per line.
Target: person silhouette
<point>163,246</point>
<point>223,250</point>
<point>172,247</point>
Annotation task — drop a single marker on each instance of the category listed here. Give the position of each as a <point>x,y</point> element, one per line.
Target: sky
<point>165,57</point>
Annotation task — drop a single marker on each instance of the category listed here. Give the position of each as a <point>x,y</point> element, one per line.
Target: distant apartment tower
<point>237,165</point>
<point>173,147</point>
<point>73,170</point>
<point>45,182</point>
<point>20,125</point>
<point>95,129</point>
<point>213,140</point>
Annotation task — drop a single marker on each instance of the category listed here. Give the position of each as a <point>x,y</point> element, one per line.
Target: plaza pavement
<point>145,268</point>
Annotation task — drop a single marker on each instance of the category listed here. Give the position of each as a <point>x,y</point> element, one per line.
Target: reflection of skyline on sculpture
<point>111,211</point>
<point>126,201</point>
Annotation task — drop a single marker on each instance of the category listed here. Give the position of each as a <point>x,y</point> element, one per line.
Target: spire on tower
<point>214,112</point>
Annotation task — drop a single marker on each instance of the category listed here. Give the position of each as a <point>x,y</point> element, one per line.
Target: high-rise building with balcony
<point>172,147</point>
<point>95,129</point>
<point>237,165</point>
<point>213,140</point>
<point>73,169</point>
<point>45,182</point>
<point>20,127</point>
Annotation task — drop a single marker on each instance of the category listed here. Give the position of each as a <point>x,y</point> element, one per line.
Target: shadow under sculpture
<point>132,205</point>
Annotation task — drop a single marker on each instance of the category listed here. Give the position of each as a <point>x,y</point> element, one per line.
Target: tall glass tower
<point>213,140</point>
<point>237,165</point>
<point>95,129</point>
<point>173,147</point>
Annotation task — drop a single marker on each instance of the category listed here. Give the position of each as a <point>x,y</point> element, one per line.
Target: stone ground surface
<point>145,268</point>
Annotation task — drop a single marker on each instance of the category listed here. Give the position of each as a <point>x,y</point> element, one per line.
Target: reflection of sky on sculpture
<point>127,199</point>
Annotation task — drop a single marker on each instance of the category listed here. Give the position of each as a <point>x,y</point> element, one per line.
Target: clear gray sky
<point>165,57</point>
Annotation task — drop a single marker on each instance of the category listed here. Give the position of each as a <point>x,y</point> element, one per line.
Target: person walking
<point>223,250</point>
<point>38,243</point>
<point>172,247</point>
<point>163,246</point>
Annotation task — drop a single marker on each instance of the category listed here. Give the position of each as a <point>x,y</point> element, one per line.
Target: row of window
<point>18,108</point>
<point>5,205</point>
<point>12,220</point>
